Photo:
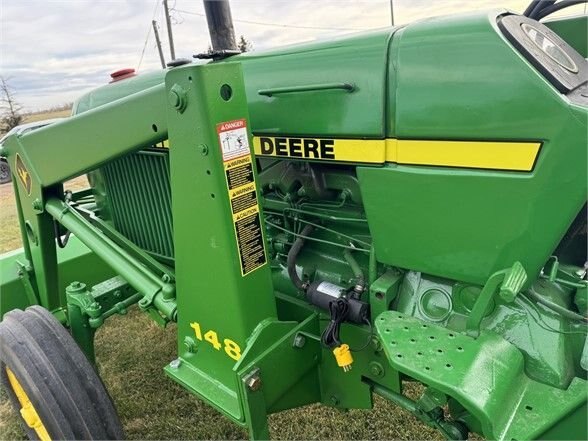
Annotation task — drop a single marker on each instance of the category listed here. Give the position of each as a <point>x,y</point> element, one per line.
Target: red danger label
<point>233,139</point>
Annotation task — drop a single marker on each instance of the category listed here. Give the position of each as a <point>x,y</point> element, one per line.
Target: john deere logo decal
<point>23,174</point>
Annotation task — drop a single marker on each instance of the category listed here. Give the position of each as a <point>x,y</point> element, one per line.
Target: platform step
<point>486,375</point>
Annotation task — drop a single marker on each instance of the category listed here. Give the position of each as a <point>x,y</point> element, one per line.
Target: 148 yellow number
<point>232,349</point>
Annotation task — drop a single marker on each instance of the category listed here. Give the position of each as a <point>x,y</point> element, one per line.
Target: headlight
<point>565,68</point>
<point>552,50</point>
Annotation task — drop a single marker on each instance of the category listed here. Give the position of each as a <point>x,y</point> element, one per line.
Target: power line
<point>148,34</point>
<point>279,25</point>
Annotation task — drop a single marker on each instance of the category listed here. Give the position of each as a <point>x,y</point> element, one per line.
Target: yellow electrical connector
<point>343,357</point>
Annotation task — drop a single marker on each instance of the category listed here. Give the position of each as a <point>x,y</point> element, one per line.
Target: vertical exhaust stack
<point>220,25</point>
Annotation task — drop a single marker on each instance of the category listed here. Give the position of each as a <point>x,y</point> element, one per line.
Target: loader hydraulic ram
<point>323,223</point>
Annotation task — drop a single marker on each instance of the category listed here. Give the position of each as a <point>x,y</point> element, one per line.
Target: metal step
<point>485,375</point>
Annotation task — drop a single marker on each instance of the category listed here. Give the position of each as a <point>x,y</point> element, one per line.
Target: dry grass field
<point>46,115</point>
<point>131,352</point>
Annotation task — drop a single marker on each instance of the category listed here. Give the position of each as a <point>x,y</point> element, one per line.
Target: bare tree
<point>11,115</point>
<point>244,45</point>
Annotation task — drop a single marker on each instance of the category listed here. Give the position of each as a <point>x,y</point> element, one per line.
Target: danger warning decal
<point>238,167</point>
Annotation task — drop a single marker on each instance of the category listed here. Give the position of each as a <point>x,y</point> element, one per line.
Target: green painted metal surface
<point>76,262</point>
<point>436,246</point>
<point>145,125</point>
<point>493,218</point>
<point>485,375</point>
<point>357,113</point>
<point>213,295</point>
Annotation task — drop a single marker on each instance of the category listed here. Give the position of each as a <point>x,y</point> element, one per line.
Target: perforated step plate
<point>486,375</point>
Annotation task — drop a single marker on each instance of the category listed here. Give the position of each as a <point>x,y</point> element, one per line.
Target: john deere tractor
<point>324,222</point>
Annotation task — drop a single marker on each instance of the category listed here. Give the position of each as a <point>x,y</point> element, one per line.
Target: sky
<point>55,50</point>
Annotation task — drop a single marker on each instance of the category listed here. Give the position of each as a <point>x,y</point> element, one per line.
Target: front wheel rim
<point>27,410</point>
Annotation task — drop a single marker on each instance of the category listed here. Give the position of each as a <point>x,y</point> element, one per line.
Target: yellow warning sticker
<point>242,192</point>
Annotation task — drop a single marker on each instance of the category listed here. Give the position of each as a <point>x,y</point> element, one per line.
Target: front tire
<point>51,382</point>
<point>5,175</point>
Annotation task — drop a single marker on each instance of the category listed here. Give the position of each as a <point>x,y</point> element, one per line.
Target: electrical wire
<point>155,8</point>
<point>279,25</point>
<point>368,340</point>
<point>564,312</point>
<point>539,320</point>
<point>339,310</point>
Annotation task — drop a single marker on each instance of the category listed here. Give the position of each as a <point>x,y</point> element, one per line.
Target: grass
<point>131,352</point>
<point>46,115</point>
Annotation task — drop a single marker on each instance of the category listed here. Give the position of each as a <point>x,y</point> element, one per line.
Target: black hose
<point>531,8</point>
<point>545,11</point>
<point>61,243</point>
<point>540,6</point>
<point>293,254</point>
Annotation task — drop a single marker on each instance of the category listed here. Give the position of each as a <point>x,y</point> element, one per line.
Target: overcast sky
<point>55,50</point>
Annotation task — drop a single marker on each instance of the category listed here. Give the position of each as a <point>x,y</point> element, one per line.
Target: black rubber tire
<point>5,175</point>
<point>60,382</point>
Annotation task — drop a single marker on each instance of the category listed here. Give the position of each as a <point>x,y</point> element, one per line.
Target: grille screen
<point>138,186</point>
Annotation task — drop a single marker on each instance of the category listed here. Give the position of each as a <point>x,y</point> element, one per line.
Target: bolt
<point>174,364</point>
<point>334,400</point>
<point>37,205</point>
<point>299,341</point>
<point>376,369</point>
<point>377,345</point>
<point>190,344</point>
<point>174,98</point>
<point>76,287</point>
<point>177,98</point>
<point>254,383</point>
<point>203,149</point>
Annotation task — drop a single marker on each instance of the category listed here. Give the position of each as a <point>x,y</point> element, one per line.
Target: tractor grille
<point>138,186</point>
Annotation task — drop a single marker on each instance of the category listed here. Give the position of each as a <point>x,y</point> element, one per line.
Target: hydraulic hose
<point>357,272</point>
<point>293,254</point>
<point>536,7</point>
<point>531,8</point>
<point>547,10</point>
<point>555,307</point>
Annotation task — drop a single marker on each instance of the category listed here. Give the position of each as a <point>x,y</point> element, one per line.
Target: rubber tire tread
<point>63,386</point>
<point>4,165</point>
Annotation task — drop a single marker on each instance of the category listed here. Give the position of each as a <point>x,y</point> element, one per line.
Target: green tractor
<point>323,222</point>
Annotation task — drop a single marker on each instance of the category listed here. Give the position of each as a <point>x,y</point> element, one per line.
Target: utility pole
<point>158,41</point>
<point>220,25</point>
<point>170,35</point>
<point>392,12</point>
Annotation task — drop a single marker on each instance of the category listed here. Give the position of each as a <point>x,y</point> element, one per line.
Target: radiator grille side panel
<point>138,186</point>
